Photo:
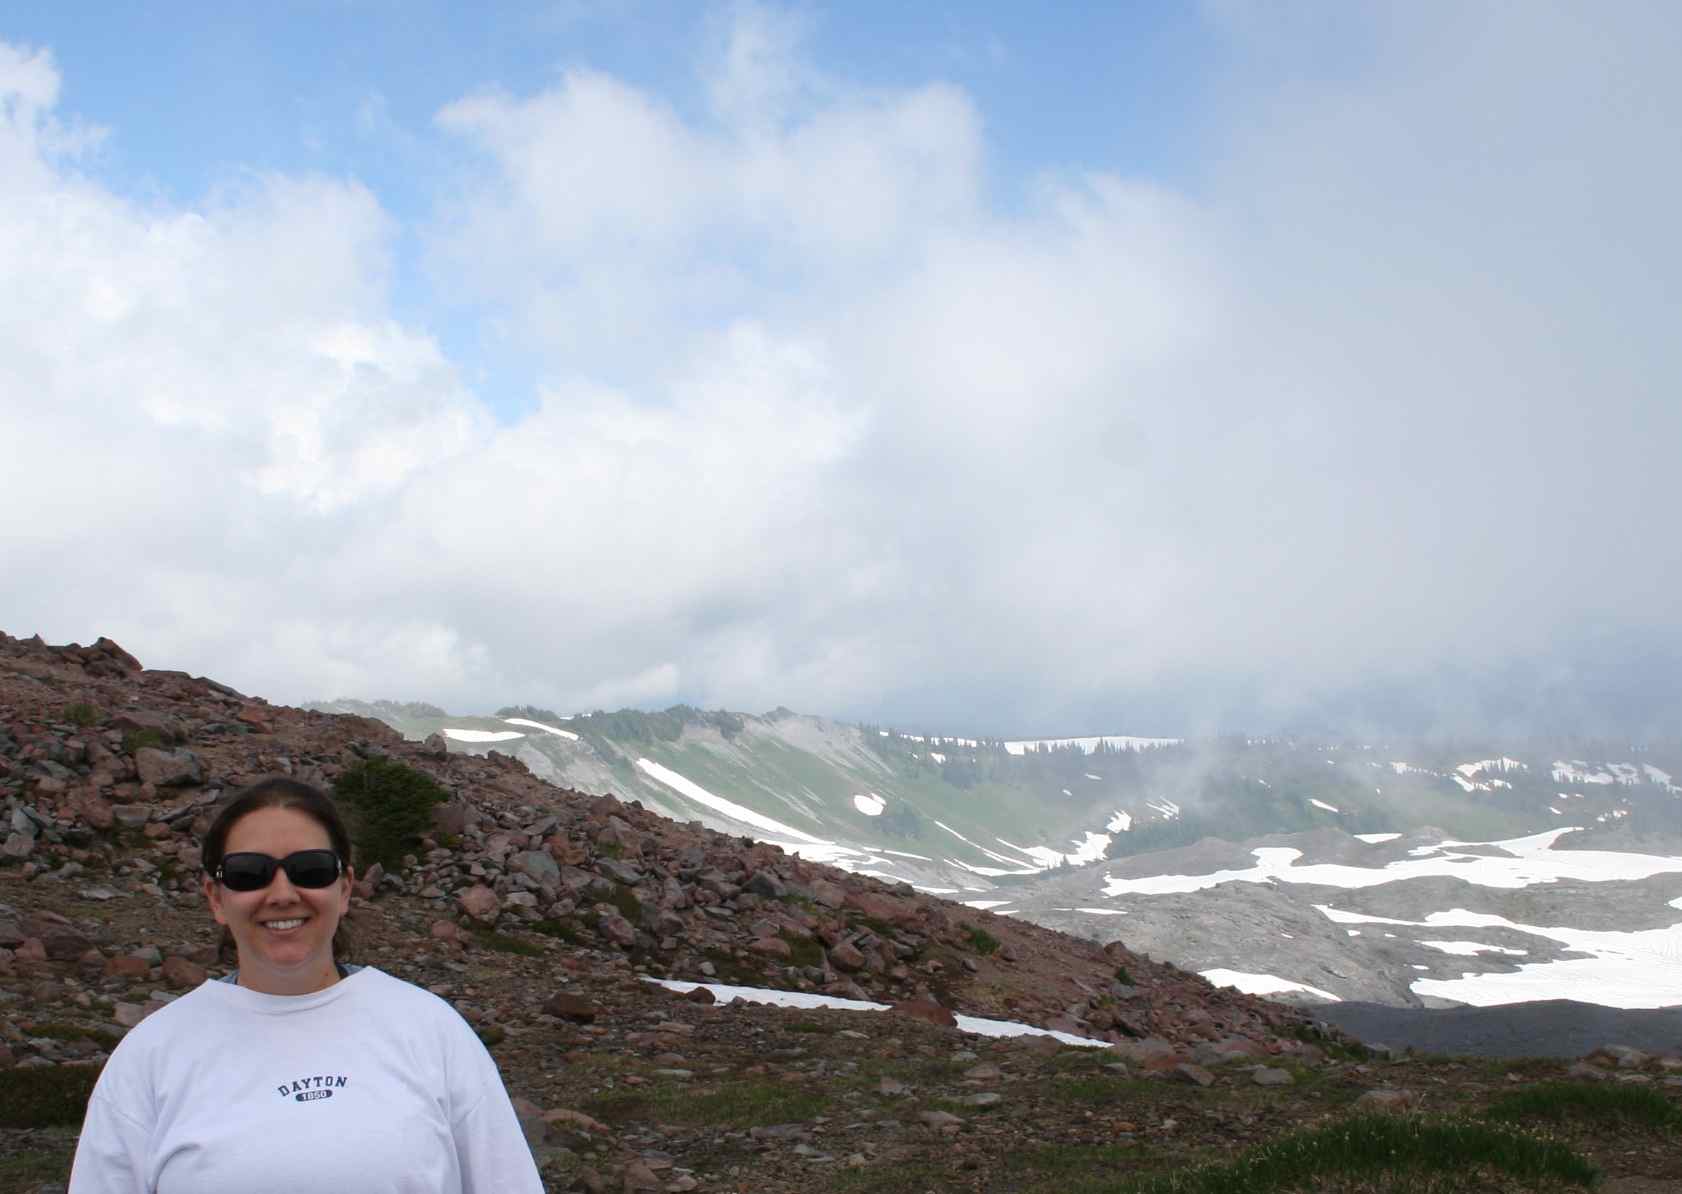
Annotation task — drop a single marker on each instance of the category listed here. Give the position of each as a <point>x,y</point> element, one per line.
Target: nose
<point>280,889</point>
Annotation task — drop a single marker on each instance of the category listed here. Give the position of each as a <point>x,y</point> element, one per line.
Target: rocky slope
<point>542,913</point>
<point>533,908</point>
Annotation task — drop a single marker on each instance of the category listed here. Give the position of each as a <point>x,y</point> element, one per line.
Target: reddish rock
<point>479,902</point>
<point>927,1011</point>
<point>129,967</point>
<point>1388,1099</point>
<point>564,1005</point>
<point>179,972</point>
<point>614,926</point>
<point>446,930</point>
<point>160,724</point>
<point>130,1014</point>
<point>64,944</point>
<point>167,768</point>
<point>131,816</point>
<point>886,909</point>
<point>830,895</point>
<point>845,956</point>
<point>771,947</point>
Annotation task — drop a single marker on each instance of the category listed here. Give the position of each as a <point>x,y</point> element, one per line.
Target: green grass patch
<point>1072,1059</point>
<point>899,1177</point>
<point>803,951</point>
<point>1599,1102</point>
<point>81,714</point>
<point>504,943</point>
<point>558,929</point>
<point>729,969</point>
<point>27,1170</point>
<point>45,1096</point>
<point>104,1038</point>
<point>1071,1168</point>
<point>140,739</point>
<point>981,940</point>
<point>1122,976</point>
<point>1369,1146</point>
<point>624,899</point>
<point>748,1104</point>
<point>1093,1090</point>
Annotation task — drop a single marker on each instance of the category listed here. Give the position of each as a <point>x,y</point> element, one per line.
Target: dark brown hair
<point>278,792</point>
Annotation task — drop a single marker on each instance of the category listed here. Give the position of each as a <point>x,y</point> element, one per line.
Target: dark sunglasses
<point>253,872</point>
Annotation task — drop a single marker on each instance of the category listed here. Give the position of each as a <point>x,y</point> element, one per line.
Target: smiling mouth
<point>283,926</point>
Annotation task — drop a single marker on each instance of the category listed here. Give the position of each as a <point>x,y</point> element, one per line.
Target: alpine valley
<point>1399,873</point>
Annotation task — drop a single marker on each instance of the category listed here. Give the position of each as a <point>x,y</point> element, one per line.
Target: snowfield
<point>1529,860</point>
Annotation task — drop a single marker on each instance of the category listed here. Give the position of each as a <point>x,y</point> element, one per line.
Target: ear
<point>213,896</point>
<point>346,882</point>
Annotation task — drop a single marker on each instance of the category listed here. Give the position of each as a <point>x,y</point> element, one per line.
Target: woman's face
<point>284,933</point>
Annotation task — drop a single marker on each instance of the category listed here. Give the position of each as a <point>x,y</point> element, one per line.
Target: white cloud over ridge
<point>820,424</point>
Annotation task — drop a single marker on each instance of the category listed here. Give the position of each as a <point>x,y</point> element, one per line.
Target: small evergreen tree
<point>388,806</point>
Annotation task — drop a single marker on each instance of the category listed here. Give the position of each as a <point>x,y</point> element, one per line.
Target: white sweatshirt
<point>370,1085</point>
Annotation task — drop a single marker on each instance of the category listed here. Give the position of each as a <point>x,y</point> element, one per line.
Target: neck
<point>303,983</point>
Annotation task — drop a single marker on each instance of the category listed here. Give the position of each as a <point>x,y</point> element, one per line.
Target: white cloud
<point>820,423</point>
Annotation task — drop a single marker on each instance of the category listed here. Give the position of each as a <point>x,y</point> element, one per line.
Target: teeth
<point>283,925</point>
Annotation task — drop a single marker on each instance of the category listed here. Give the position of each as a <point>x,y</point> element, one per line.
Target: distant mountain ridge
<point>1107,837</point>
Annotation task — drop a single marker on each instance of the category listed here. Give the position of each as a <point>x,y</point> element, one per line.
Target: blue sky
<point>1130,368</point>
<point>197,96</point>
<point>198,90</point>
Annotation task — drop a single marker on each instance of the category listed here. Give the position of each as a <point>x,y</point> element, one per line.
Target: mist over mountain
<point>1457,868</point>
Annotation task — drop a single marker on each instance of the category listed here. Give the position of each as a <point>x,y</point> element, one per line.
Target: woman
<point>297,1072</point>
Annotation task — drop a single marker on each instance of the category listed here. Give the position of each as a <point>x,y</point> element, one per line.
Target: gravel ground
<point>1546,1028</point>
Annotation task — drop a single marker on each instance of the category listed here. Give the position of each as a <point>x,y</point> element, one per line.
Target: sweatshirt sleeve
<point>490,1146</point>
<point>111,1152</point>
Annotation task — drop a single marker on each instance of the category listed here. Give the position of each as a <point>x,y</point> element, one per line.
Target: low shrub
<point>136,740</point>
<point>103,1037</point>
<point>803,951</point>
<point>388,806</point>
<point>981,940</point>
<point>45,1096</point>
<point>81,714</point>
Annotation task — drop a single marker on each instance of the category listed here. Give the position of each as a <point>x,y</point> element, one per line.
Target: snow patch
<point>736,812</point>
<point>870,805</point>
<point>1322,804</point>
<point>1262,984</point>
<point>481,735</point>
<point>1120,823</point>
<point>1373,839</point>
<point>1472,948</point>
<point>975,1025</point>
<point>538,725</point>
